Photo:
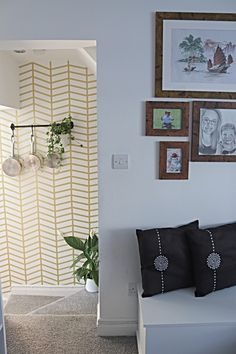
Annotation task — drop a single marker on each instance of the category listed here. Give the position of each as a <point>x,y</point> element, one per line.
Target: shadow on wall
<point>121,250</point>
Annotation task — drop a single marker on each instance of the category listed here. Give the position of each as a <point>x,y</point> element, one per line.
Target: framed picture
<point>167,118</point>
<point>174,158</point>
<point>195,55</point>
<point>214,131</point>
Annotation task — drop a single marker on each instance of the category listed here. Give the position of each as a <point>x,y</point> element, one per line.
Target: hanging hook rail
<point>13,126</point>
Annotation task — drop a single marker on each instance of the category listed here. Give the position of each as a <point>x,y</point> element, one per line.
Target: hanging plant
<point>55,140</point>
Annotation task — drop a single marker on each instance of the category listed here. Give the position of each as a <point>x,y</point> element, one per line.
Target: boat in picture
<point>220,63</point>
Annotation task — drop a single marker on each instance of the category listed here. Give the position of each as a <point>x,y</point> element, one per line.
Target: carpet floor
<point>59,326</point>
<point>80,303</point>
<point>23,304</point>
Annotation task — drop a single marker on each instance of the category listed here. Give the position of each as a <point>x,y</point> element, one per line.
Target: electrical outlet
<point>132,289</point>
<point>120,161</point>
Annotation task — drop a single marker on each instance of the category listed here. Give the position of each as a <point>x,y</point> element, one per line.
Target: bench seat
<point>179,323</point>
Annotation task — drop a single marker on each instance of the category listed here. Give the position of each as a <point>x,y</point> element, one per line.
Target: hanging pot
<point>12,166</point>
<point>33,161</point>
<point>53,160</point>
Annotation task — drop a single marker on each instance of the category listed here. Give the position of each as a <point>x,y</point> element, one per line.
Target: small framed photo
<point>167,118</point>
<point>174,158</point>
<point>214,131</point>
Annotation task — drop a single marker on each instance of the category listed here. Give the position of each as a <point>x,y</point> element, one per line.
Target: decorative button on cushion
<point>165,259</point>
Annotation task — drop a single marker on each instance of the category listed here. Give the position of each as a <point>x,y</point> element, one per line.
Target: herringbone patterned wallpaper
<point>37,204</point>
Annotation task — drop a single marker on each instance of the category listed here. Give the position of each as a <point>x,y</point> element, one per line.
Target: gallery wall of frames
<point>194,62</point>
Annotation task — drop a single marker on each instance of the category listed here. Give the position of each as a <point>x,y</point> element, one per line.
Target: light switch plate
<point>120,162</point>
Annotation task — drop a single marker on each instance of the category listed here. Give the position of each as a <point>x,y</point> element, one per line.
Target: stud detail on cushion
<point>161,263</point>
<point>213,260</point>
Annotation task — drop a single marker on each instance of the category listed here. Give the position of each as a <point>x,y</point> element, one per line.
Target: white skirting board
<point>45,290</point>
<point>113,327</point>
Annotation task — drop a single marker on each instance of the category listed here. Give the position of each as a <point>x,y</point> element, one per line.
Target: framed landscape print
<point>174,160</point>
<point>195,55</point>
<point>214,131</point>
<point>167,118</point>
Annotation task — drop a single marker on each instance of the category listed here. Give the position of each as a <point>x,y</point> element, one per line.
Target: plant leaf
<point>75,242</point>
<point>77,259</point>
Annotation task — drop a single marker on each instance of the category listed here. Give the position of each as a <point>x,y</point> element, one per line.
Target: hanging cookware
<point>32,161</point>
<point>12,166</point>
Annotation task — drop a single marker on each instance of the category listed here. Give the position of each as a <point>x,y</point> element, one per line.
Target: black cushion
<point>214,258</point>
<point>165,259</point>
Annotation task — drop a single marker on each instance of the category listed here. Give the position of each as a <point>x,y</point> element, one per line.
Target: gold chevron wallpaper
<point>37,204</point>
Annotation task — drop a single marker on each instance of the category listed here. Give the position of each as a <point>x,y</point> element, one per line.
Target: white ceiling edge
<point>87,60</point>
<point>46,44</point>
<point>2,108</point>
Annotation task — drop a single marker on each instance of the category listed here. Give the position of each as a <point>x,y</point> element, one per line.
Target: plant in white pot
<point>87,261</point>
<point>58,137</point>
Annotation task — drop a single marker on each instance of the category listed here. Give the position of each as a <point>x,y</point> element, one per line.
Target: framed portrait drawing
<point>174,160</point>
<point>214,131</point>
<point>195,55</point>
<point>167,118</point>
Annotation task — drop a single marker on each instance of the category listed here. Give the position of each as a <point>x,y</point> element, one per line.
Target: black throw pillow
<point>165,259</point>
<point>214,258</point>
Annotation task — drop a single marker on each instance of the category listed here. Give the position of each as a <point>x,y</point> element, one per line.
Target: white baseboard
<point>116,327</point>
<point>45,290</point>
<point>5,299</point>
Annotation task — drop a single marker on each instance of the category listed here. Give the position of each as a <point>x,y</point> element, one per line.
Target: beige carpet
<point>46,330</point>
<point>80,303</point>
<point>22,304</point>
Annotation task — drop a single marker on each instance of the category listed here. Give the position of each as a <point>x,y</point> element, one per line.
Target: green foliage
<point>54,133</point>
<point>191,46</point>
<point>87,261</point>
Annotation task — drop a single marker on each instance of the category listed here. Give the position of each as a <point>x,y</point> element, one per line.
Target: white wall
<point>9,87</point>
<point>132,198</point>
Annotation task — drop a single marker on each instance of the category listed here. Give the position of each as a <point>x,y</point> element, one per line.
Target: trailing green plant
<point>54,135</point>
<point>87,261</point>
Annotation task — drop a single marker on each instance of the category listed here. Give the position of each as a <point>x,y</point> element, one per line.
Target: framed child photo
<point>214,131</point>
<point>174,160</point>
<point>167,118</point>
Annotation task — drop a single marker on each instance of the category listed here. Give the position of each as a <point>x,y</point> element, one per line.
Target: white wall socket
<point>120,161</point>
<point>132,289</point>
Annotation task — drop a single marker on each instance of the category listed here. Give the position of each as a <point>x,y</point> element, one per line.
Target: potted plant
<point>87,261</point>
<point>56,140</point>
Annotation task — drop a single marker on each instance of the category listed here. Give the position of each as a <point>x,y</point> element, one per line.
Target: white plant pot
<point>65,139</point>
<point>53,160</point>
<point>91,286</point>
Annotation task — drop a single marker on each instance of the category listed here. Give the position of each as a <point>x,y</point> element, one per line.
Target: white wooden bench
<point>179,323</point>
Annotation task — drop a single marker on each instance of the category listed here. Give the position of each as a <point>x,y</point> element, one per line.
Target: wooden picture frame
<point>182,72</point>
<point>214,131</point>
<point>174,160</point>
<point>167,118</point>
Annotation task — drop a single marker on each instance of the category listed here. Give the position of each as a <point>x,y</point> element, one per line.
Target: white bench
<point>179,323</point>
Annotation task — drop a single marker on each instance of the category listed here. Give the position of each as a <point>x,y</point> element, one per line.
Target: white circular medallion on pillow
<point>213,260</point>
<point>161,263</point>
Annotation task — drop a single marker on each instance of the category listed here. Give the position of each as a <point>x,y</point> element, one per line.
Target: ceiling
<point>35,50</point>
<point>82,50</point>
